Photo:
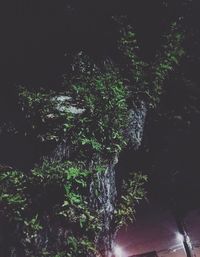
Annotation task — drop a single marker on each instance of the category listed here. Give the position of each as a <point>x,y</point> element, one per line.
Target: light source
<point>185,240</point>
<point>179,237</point>
<point>118,251</point>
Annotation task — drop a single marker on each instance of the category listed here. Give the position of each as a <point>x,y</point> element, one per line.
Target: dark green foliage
<point>42,110</point>
<point>101,126</point>
<point>165,61</point>
<point>98,129</point>
<point>80,247</point>
<point>12,197</point>
<point>132,193</point>
<point>24,200</point>
<point>133,68</point>
<point>146,80</point>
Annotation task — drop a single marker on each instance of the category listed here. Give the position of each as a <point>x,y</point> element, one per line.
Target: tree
<point>83,120</point>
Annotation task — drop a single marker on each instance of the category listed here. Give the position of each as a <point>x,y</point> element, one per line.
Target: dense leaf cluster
<point>132,193</point>
<point>97,128</point>
<point>145,80</point>
<point>25,201</point>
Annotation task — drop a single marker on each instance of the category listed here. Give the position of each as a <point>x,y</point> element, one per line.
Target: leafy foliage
<point>102,124</point>
<point>47,114</point>
<point>132,192</point>
<point>133,68</point>
<point>12,197</point>
<point>146,80</point>
<point>165,61</point>
<point>23,200</point>
<point>80,247</point>
<point>98,129</point>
